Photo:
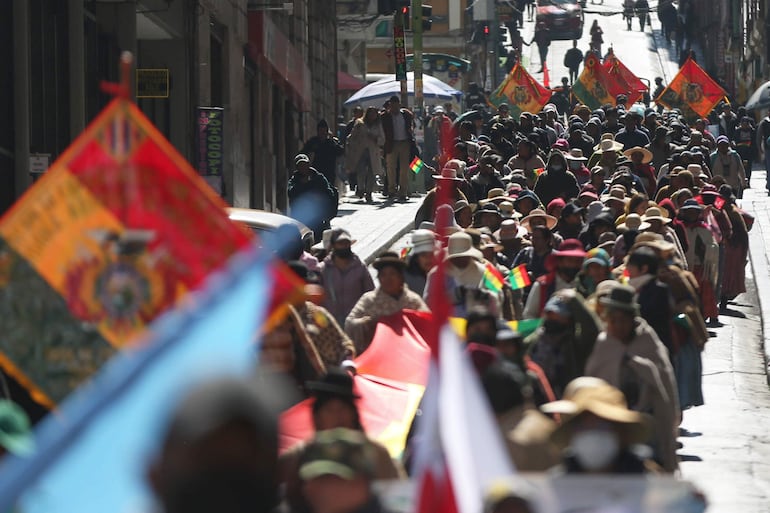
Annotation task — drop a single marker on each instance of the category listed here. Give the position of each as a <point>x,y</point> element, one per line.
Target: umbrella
<point>760,99</point>
<point>388,86</point>
<point>470,115</point>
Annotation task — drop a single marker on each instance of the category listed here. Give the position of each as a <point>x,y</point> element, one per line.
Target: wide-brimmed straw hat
<point>448,173</point>
<point>608,144</point>
<point>633,222</point>
<point>495,195</point>
<point>638,149</point>
<point>655,214</point>
<point>459,245</point>
<point>608,403</point>
<point>550,221</point>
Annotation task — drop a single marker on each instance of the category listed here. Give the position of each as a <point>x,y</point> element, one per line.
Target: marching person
<point>391,296</point>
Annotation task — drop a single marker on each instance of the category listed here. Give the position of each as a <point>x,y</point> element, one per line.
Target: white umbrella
<point>388,86</point>
<point>760,99</point>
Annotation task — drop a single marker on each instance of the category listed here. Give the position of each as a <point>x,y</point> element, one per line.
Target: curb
<point>760,268</point>
<point>368,259</point>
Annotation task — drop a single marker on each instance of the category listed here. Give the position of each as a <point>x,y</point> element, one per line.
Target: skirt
<point>689,376</point>
<point>734,271</point>
<point>708,297</point>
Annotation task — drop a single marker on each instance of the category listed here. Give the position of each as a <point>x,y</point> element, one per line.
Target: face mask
<point>557,167</point>
<point>574,165</point>
<point>595,449</point>
<point>343,253</point>
<point>569,273</point>
<point>553,327</point>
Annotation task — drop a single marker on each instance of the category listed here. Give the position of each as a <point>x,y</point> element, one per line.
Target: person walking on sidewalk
<point>308,189</point>
<point>363,160</point>
<point>572,60</point>
<point>597,38</point>
<point>398,125</point>
<point>642,8</point>
<point>542,38</point>
<point>324,149</point>
<point>726,162</point>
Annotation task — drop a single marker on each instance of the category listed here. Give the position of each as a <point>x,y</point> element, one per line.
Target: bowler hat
<point>336,382</point>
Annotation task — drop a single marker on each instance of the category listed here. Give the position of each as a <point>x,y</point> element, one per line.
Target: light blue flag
<point>92,455</point>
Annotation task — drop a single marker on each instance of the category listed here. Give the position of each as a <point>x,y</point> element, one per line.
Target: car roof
<point>264,220</point>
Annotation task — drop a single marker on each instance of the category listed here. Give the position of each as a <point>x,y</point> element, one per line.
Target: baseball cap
<point>340,452</point>
<point>301,157</point>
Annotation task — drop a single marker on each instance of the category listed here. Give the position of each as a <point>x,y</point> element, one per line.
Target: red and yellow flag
<point>595,87</point>
<point>692,91</point>
<point>522,92</point>
<point>625,78</point>
<point>116,232</point>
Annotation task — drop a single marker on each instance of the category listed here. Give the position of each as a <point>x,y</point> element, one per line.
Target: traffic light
<point>481,34</point>
<point>427,22</point>
<point>405,13</point>
<point>388,7</point>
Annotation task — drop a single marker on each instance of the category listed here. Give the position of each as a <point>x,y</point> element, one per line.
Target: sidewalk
<point>757,203</point>
<point>377,226</point>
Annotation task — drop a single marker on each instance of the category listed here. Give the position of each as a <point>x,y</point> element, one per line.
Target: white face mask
<point>595,449</point>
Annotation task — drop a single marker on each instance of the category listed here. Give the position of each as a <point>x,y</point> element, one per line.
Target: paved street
<point>645,53</point>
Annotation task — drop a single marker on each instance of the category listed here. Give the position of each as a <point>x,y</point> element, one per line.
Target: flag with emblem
<point>521,92</point>
<point>625,78</point>
<point>692,91</point>
<point>114,233</point>
<point>595,87</point>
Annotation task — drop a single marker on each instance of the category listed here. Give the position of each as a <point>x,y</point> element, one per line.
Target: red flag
<point>693,91</point>
<point>632,84</point>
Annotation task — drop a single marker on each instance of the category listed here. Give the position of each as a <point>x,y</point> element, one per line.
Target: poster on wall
<point>211,154</point>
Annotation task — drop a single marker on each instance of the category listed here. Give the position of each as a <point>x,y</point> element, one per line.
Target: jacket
<point>365,138</point>
<point>344,287</point>
<point>644,360</point>
<point>387,128</point>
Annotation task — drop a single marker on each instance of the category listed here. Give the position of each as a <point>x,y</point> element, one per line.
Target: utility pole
<point>399,44</point>
<point>417,53</point>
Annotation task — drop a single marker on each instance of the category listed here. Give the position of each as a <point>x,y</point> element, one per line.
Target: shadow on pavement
<point>689,457</point>
<point>733,313</point>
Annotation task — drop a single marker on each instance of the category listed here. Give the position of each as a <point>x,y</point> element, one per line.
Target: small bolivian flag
<point>519,277</point>
<point>539,171</point>
<point>416,165</point>
<point>492,278</point>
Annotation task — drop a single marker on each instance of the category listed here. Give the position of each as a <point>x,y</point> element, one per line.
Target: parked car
<point>263,223</point>
<point>564,18</point>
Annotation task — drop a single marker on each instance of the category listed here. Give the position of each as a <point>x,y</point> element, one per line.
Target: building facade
<point>269,70</point>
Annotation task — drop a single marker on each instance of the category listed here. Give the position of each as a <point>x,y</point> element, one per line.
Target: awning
<point>347,82</point>
<point>277,56</point>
